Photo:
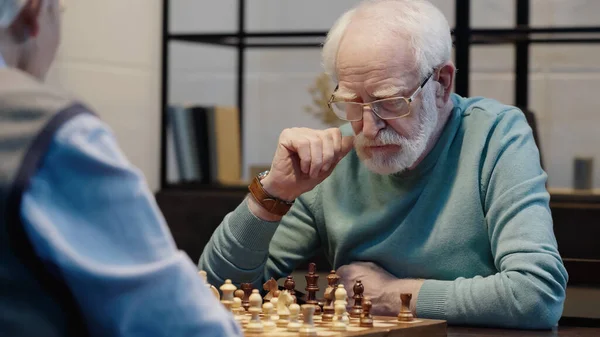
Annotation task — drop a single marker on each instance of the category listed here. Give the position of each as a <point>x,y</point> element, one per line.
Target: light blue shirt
<point>89,211</point>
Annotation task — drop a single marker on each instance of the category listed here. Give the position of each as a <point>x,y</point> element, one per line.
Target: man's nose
<point>372,124</point>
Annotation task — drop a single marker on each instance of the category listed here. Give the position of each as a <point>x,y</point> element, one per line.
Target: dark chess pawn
<point>247,288</point>
<point>290,286</point>
<point>356,310</point>
<point>405,314</point>
<point>366,320</point>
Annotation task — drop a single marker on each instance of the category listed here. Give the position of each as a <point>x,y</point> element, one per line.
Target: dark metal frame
<point>522,36</point>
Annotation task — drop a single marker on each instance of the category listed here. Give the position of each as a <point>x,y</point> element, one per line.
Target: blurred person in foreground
<point>84,249</point>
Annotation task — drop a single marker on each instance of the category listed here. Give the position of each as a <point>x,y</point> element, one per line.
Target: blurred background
<point>162,73</point>
<point>112,55</point>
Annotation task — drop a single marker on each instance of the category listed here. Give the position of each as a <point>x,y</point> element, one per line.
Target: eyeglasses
<point>386,108</point>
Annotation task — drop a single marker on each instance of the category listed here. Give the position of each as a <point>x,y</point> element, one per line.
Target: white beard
<point>410,149</point>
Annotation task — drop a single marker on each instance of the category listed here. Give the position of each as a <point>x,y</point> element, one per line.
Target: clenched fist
<point>381,287</point>
<point>304,158</point>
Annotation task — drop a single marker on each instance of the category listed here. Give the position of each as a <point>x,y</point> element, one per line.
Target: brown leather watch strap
<point>271,204</point>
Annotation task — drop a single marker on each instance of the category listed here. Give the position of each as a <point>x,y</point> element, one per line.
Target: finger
<point>347,145</point>
<point>316,154</point>
<point>336,135</point>
<point>328,151</point>
<point>300,146</point>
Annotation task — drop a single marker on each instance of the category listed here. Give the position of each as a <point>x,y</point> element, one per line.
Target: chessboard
<point>286,312</point>
<point>382,326</point>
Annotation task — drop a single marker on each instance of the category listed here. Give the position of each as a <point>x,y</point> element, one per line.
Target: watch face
<point>263,174</point>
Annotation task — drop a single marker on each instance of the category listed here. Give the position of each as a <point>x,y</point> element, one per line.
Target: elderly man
<point>424,191</point>
<point>84,249</point>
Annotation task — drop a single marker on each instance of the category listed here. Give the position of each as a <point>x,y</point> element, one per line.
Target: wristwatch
<point>270,203</point>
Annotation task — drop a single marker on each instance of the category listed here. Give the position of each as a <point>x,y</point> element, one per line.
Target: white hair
<point>9,9</point>
<point>424,24</point>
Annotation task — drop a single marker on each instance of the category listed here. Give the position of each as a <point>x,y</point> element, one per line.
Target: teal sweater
<point>472,219</point>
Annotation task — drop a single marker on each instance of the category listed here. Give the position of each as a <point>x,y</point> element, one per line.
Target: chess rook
<point>308,327</point>
<point>405,314</point>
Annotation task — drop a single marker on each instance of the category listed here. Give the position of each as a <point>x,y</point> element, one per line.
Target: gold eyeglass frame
<point>408,101</point>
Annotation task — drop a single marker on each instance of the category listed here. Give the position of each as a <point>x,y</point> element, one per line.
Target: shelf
<point>476,36</point>
<point>464,36</point>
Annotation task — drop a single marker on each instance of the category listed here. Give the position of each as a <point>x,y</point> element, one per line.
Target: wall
<point>110,58</point>
<point>561,81</point>
<point>115,68</point>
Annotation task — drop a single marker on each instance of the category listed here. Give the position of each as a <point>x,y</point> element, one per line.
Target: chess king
<point>421,191</point>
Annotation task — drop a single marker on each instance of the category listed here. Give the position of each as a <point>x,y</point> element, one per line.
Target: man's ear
<point>446,80</point>
<point>27,22</point>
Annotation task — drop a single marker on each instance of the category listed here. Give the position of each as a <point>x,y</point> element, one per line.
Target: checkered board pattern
<point>382,326</point>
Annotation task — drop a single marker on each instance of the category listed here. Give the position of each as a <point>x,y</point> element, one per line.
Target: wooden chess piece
<point>332,281</point>
<point>340,318</point>
<point>227,289</point>
<point>308,327</point>
<point>271,287</point>
<point>268,321</point>
<point>312,287</point>
<point>290,286</point>
<point>283,310</point>
<point>212,288</point>
<point>237,309</point>
<point>340,321</point>
<point>255,301</point>
<point>366,320</point>
<point>247,288</point>
<point>239,294</point>
<point>356,310</point>
<point>294,325</point>
<point>405,314</point>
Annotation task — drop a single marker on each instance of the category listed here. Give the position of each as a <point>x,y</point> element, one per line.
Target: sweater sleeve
<point>245,248</point>
<point>528,291</point>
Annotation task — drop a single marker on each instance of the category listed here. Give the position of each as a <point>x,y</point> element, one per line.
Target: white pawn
<point>341,296</point>
<point>227,289</point>
<point>308,327</point>
<point>294,324</point>
<point>236,307</point>
<point>255,324</point>
<point>269,323</point>
<point>274,301</point>
<point>341,320</point>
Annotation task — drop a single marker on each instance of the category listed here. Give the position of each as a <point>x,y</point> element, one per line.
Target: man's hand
<point>380,286</point>
<point>304,158</point>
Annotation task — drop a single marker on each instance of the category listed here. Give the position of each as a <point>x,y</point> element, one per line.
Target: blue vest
<point>34,301</point>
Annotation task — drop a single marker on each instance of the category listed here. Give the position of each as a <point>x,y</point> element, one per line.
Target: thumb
<point>347,145</point>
